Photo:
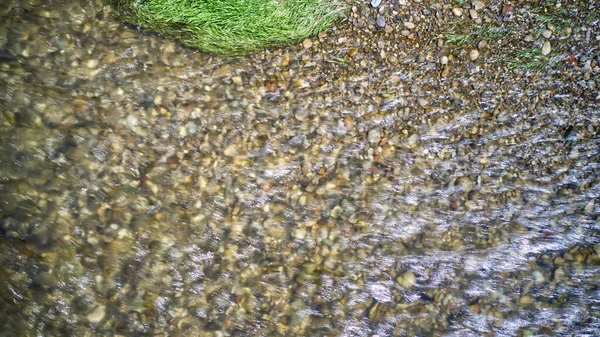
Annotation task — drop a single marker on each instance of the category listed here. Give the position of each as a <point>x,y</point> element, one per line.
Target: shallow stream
<point>324,189</point>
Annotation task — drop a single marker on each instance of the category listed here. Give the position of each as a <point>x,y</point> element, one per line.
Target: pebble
<point>526,300</point>
<point>237,80</point>
<point>474,54</point>
<point>457,11</point>
<point>546,48</point>
<point>97,314</point>
<point>547,33</point>
<point>477,5</point>
<point>342,155</point>
<point>538,277</point>
<point>93,63</point>
<point>407,280</point>
<point>336,212</point>
<point>380,21</point>
<point>231,150</point>
<point>374,136</point>
<point>47,280</point>
<point>394,79</point>
<point>508,10</point>
<point>587,66</point>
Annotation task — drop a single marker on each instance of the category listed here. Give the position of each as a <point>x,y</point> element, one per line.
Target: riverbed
<point>380,179</point>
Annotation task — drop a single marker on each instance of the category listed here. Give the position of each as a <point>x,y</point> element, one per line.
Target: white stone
<point>374,136</point>
<point>538,277</point>
<point>92,63</point>
<point>474,54</point>
<point>546,48</point>
<point>375,3</point>
<point>477,5</point>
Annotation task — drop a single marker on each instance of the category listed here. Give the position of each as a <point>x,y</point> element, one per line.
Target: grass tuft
<point>462,32</point>
<point>556,21</point>
<point>232,27</point>
<point>529,59</point>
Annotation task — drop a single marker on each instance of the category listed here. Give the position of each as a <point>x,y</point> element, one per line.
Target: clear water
<point>150,189</point>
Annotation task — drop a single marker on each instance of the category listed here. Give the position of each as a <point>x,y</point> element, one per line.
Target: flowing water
<point>148,189</point>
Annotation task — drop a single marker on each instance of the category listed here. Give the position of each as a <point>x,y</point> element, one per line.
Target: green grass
<point>591,17</point>
<point>558,22</point>
<point>529,59</point>
<point>463,32</point>
<point>232,27</point>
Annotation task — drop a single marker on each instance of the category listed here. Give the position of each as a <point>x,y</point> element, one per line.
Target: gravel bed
<point>426,168</point>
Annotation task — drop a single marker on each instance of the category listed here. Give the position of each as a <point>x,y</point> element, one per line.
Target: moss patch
<point>232,27</point>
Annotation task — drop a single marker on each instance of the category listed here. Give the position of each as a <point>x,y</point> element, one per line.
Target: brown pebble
<point>285,60</point>
<point>508,10</point>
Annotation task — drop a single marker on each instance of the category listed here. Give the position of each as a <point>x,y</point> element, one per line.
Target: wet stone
<point>474,54</point>
<point>374,136</point>
<point>407,279</point>
<point>546,48</point>
<point>97,314</point>
<point>375,3</point>
<point>477,5</point>
<point>508,10</point>
<point>47,280</point>
<point>374,179</point>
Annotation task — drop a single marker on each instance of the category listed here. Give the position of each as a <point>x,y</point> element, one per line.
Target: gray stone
<point>375,3</point>
<point>409,25</point>
<point>587,66</point>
